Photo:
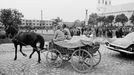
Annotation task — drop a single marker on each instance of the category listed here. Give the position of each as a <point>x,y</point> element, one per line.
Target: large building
<point>26,22</point>
<point>105,8</point>
<point>36,22</point>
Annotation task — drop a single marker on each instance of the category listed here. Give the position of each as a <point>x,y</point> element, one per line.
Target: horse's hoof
<point>29,57</point>
<point>25,55</point>
<point>39,62</point>
<point>15,59</point>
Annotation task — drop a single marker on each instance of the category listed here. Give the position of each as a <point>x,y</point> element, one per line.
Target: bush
<point>6,40</point>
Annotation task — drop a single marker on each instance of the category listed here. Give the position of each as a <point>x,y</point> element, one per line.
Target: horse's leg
<point>32,53</point>
<point>15,45</point>
<point>39,59</point>
<point>21,51</point>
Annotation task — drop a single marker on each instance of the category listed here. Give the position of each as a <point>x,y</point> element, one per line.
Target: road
<point>112,63</point>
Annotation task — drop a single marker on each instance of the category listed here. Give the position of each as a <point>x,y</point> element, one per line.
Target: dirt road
<point>112,63</point>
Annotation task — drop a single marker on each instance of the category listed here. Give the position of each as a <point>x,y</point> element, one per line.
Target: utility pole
<point>41,22</point>
<point>86,17</point>
<point>41,15</point>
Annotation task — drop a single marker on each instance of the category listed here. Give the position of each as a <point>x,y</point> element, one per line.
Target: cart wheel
<point>81,60</point>
<point>53,58</point>
<point>96,58</point>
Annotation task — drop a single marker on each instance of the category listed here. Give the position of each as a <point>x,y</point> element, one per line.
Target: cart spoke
<point>86,56</point>
<point>75,54</point>
<point>82,53</point>
<point>79,53</point>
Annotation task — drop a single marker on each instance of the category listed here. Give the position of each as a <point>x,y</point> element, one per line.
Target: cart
<point>83,55</point>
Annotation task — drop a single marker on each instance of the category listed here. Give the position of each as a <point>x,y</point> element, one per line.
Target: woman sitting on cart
<point>59,34</point>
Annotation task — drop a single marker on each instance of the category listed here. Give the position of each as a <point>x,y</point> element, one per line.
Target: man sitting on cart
<point>59,34</point>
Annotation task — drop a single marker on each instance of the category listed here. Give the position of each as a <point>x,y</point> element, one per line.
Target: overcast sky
<point>68,10</point>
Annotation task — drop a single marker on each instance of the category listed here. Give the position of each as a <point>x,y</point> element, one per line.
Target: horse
<point>28,38</point>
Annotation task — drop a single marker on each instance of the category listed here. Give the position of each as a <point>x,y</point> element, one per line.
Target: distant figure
<point>78,31</point>
<point>109,33</point>
<point>104,32</point>
<point>71,32</point>
<point>119,33</point>
<point>82,30</point>
<point>97,32</point>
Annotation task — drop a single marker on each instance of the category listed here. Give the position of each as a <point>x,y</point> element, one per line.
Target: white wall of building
<point>36,22</point>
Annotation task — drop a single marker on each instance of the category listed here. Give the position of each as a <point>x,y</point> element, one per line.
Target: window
<point>105,2</point>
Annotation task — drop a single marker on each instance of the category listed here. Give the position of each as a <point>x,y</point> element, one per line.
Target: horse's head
<point>11,31</point>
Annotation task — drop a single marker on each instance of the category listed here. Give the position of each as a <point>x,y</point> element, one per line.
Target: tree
<point>82,24</point>
<point>10,17</point>
<point>77,23</point>
<point>109,19</point>
<point>57,21</point>
<point>93,19</point>
<point>101,19</point>
<point>132,19</point>
<point>122,18</point>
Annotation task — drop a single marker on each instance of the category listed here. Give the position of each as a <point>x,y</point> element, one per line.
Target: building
<point>105,8</point>
<point>26,22</point>
<point>102,6</point>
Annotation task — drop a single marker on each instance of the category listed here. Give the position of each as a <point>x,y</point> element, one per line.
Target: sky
<point>68,10</point>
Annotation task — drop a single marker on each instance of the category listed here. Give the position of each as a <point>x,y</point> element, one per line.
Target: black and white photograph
<point>67,37</point>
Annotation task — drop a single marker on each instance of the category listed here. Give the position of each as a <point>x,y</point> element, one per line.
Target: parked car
<point>123,45</point>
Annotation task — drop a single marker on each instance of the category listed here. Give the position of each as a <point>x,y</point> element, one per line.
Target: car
<point>123,45</point>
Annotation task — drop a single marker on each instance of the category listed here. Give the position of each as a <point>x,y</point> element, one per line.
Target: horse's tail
<point>41,41</point>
